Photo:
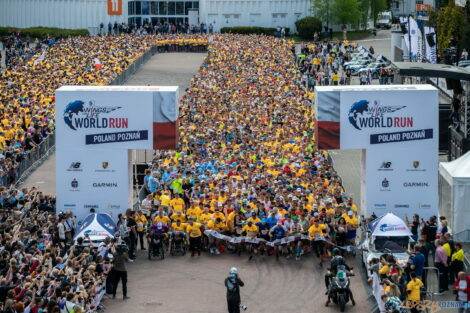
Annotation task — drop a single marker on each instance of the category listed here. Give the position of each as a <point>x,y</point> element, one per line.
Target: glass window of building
<point>179,8</point>
<point>145,7</point>
<point>131,7</point>
<point>171,8</point>
<point>138,21</point>
<point>137,8</point>
<point>163,8</point>
<point>195,4</point>
<point>154,8</point>
<point>187,5</point>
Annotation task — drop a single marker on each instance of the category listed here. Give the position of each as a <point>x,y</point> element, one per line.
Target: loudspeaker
<point>430,39</point>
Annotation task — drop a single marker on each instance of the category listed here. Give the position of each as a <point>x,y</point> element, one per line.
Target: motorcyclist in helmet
<point>336,261</point>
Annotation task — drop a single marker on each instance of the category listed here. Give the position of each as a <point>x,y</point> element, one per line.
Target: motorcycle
<point>156,248</point>
<point>339,286</point>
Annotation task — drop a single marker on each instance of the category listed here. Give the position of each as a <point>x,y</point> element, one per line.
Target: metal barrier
<point>134,67</point>
<point>36,156</point>
<point>31,160</point>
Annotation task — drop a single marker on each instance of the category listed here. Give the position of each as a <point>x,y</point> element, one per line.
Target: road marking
<point>375,39</point>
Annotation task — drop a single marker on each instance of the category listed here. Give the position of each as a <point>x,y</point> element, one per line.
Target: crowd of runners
<point>247,166</point>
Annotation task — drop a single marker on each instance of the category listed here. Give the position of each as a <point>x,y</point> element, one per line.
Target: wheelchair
<point>178,243</point>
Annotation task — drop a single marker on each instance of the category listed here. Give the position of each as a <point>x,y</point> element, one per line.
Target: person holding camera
<point>233,284</point>
<point>120,256</point>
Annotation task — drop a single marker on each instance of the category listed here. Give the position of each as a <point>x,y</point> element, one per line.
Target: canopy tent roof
<point>457,171</point>
<point>389,225</point>
<point>97,226</point>
<point>432,70</point>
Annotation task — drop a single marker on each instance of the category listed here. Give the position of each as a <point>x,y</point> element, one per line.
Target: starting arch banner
<point>397,125</point>
<point>96,126</point>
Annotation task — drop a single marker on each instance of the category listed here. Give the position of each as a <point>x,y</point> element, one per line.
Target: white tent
<point>454,195</point>
<point>389,225</point>
<point>97,227</point>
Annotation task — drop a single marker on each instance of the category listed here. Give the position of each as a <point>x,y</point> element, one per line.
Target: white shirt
<point>462,295</point>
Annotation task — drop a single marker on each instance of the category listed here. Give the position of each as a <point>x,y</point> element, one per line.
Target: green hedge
<point>245,30</point>
<point>307,26</point>
<point>42,32</point>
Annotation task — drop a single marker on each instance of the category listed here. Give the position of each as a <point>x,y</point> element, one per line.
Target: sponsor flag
<point>165,120</point>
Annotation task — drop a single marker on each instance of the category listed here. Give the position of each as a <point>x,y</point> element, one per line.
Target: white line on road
<point>375,39</point>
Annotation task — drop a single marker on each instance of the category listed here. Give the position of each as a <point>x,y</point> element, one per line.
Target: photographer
<point>120,256</point>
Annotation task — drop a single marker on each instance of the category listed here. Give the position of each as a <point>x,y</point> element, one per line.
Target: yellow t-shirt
<point>176,217</point>
<point>194,212</point>
<point>254,220</point>
<point>181,227</point>
<point>164,200</point>
<point>217,226</point>
<point>218,215</point>
<point>205,217</point>
<point>251,231</point>
<point>194,230</point>
<point>384,270</point>
<point>141,222</point>
<point>177,204</point>
<point>163,219</point>
<point>414,287</point>
<point>316,231</point>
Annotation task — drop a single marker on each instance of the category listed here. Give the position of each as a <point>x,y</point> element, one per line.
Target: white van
<point>384,20</point>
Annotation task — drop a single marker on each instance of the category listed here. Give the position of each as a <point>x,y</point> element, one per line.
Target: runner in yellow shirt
<point>141,221</point>
<point>194,233</point>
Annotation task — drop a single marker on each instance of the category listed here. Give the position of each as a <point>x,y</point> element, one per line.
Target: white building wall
<point>90,13</point>
<point>265,13</point>
<point>58,13</point>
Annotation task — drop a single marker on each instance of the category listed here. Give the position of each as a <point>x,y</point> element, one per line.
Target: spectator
<point>462,288</point>
<point>440,261</point>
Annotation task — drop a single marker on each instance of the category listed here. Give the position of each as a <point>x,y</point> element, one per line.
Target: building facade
<point>90,14</point>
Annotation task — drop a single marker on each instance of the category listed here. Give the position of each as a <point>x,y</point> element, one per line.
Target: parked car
<point>358,65</point>
<point>384,20</point>
<point>374,67</point>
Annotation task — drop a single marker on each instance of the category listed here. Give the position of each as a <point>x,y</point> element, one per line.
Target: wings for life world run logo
<point>362,115</point>
<point>386,228</point>
<point>77,115</point>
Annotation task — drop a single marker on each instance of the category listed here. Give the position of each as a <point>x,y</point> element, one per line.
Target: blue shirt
<point>418,262</point>
<point>152,184</point>
<point>278,232</point>
<point>271,221</point>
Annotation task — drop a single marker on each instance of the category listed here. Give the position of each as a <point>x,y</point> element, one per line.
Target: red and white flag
<point>165,120</point>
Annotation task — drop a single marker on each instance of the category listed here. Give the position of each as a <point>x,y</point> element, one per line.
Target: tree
<point>364,6</point>
<point>450,25</point>
<point>307,26</point>
<point>376,7</point>
<point>346,12</point>
<point>322,10</point>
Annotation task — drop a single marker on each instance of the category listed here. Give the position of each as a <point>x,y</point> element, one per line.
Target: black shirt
<point>414,227</point>
<point>430,231</point>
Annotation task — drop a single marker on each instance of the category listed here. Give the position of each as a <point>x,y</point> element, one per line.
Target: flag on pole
<point>40,59</point>
<point>97,63</point>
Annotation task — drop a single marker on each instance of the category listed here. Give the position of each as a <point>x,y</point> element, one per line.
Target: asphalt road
<point>182,284</point>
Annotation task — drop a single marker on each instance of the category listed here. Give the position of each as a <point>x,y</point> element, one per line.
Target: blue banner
<point>410,135</point>
<point>116,137</point>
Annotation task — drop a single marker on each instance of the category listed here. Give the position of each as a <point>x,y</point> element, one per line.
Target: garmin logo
<point>99,185</point>
<point>420,184</point>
